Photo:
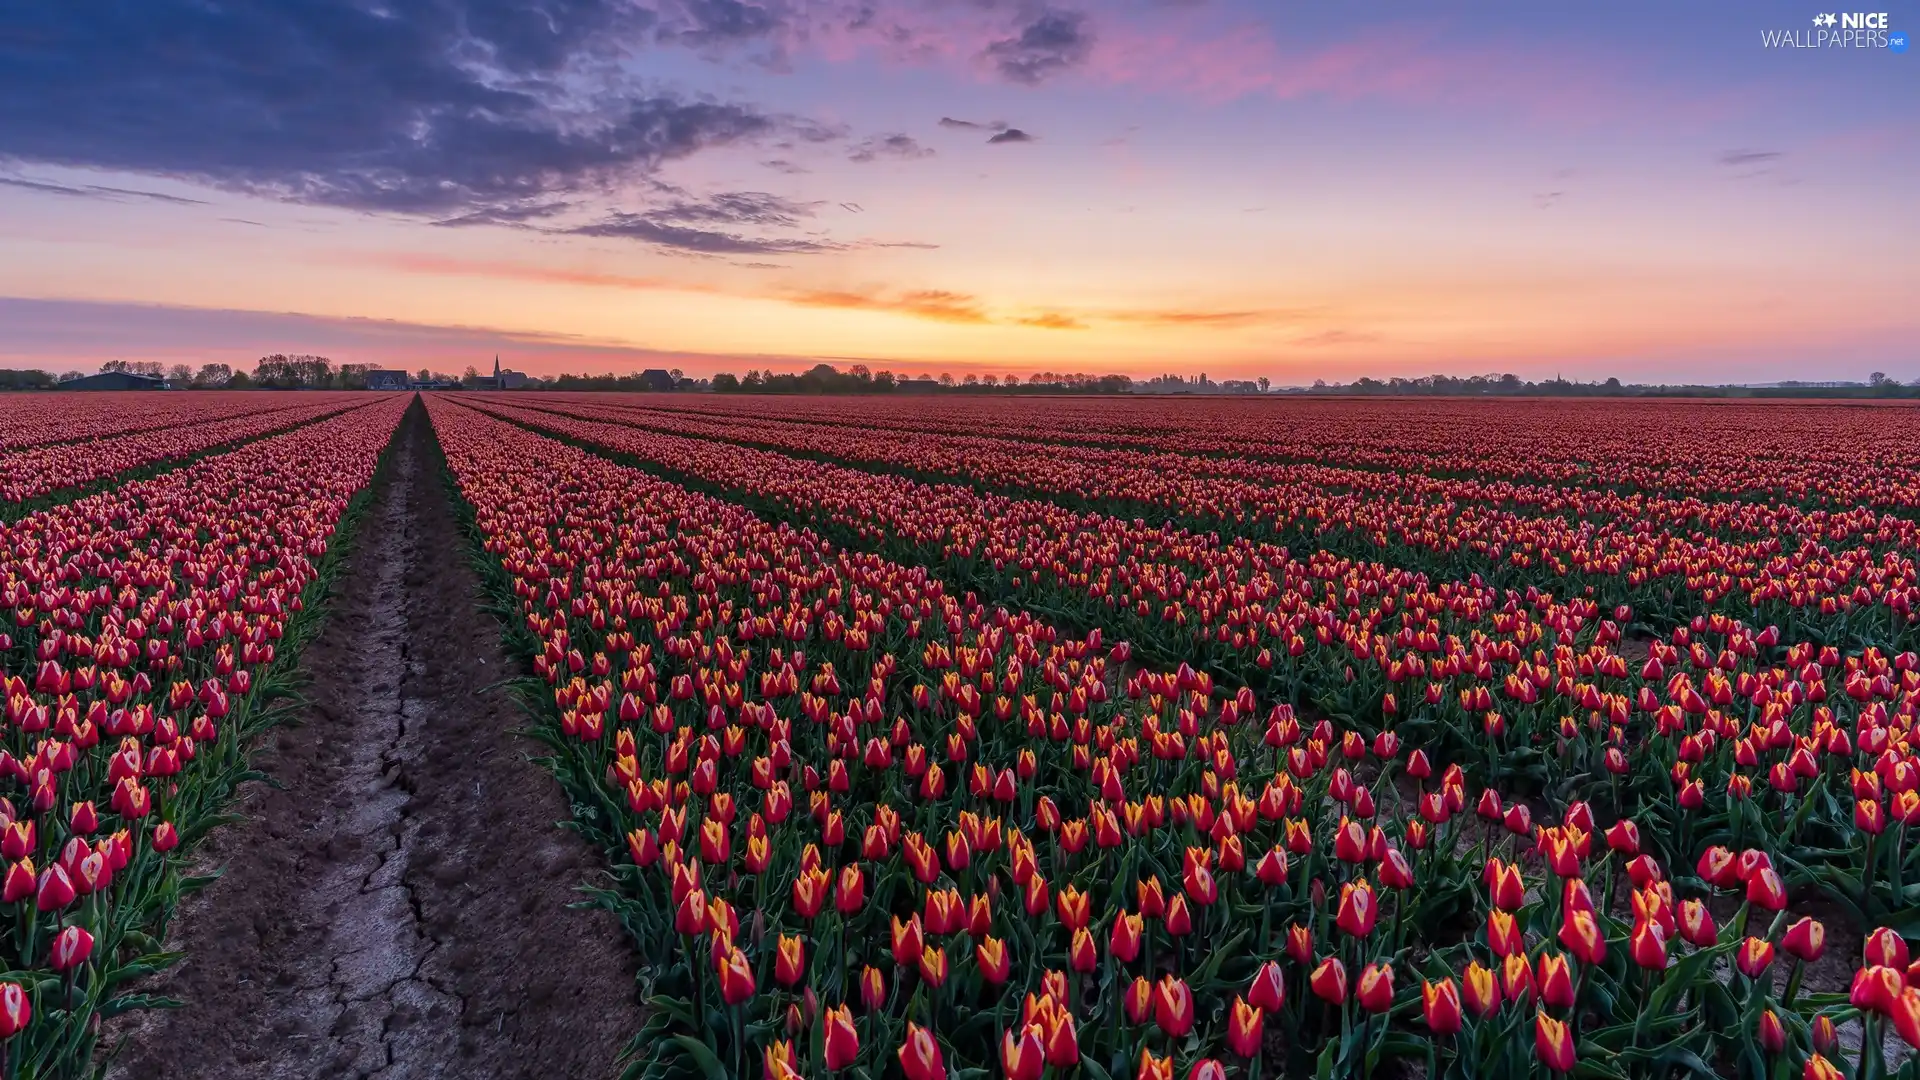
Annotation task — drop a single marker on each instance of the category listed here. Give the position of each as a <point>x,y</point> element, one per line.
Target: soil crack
<point>398,907</point>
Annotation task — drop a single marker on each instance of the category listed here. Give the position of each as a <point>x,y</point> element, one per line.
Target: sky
<point>1241,188</point>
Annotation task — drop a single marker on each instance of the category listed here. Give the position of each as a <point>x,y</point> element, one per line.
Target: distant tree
<point>946,379</point>
<point>353,376</point>
<point>71,376</point>
<point>972,380</point>
<point>677,376</point>
<point>1878,378</point>
<point>212,376</point>
<point>885,382</point>
<point>726,383</point>
<point>239,380</point>
<point>1265,383</point>
<point>179,375</point>
<point>294,372</point>
<point>990,380</point>
<point>753,381</point>
<point>31,379</point>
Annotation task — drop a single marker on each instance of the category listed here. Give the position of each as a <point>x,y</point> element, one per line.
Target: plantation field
<point>959,737</point>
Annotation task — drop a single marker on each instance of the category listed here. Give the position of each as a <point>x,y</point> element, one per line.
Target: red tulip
<point>1885,948</point>
<point>1754,956</point>
<point>1268,991</point>
<point>851,895</point>
<point>1153,1068</point>
<point>790,961</point>
<point>1025,1057</point>
<point>1358,910</point>
<point>1440,1002</point>
<point>1553,1043</point>
<point>1503,934</point>
<point>994,960</point>
<point>55,890</point>
<point>842,1040</point>
<point>1696,924</point>
<point>1244,1024</point>
<point>1555,980</point>
<point>920,1055</point>
<point>1481,992</point>
<point>1329,981</point>
<point>1207,1069</point>
<point>1773,1036</point>
<point>1582,937</point>
<point>1819,1068</point>
<point>1648,946</point>
<point>1124,941</point>
<point>1766,891</point>
<point>736,978</point>
<point>1173,1006</point>
<point>1805,939</point>
<point>1375,989</point>
<point>873,988</point>
<point>70,949</point>
<point>15,1010</point>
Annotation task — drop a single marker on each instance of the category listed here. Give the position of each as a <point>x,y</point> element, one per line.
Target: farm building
<point>115,380</point>
<point>387,379</point>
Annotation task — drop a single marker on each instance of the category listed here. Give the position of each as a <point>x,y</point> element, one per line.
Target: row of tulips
<point>1321,499</point>
<point>1535,694</point>
<point>29,475</point>
<point>1818,454</point>
<point>29,420</point>
<point>1836,574</point>
<point>863,826</point>
<point>149,629</point>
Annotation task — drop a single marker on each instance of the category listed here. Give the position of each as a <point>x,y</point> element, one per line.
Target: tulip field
<point>977,737</point>
<point>150,629</point>
<point>1020,738</point>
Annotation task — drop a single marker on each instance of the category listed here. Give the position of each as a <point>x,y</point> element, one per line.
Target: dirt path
<point>398,907</point>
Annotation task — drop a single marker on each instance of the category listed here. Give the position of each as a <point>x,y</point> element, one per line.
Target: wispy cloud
<point>1179,317</point>
<point>1052,320</point>
<point>1011,135</point>
<point>898,147</point>
<point>939,305</point>
<point>1742,158</point>
<point>96,191</point>
<point>1334,338</point>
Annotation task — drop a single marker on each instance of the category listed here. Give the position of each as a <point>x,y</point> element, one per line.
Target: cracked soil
<point>396,906</point>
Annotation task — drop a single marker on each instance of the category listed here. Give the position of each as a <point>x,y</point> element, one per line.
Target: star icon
<point>1830,19</point>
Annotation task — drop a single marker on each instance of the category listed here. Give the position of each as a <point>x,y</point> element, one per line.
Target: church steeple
<point>496,368</point>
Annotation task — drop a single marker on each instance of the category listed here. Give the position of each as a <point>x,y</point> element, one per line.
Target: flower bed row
<point>148,631</point>
<point>1834,577</point>
<point>865,825</point>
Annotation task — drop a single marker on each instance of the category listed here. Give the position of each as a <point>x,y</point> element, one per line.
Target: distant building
<point>115,380</point>
<point>921,385</point>
<point>385,379</point>
<point>656,379</point>
<point>507,379</point>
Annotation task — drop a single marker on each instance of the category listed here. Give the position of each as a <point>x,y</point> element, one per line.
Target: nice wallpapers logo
<point>1840,30</point>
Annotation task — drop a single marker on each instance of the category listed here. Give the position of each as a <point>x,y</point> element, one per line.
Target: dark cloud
<point>1010,135</point>
<point>784,166</point>
<point>1052,42</point>
<point>658,233</point>
<point>520,216</point>
<point>969,125</point>
<point>901,147</point>
<point>96,191</point>
<point>734,208</point>
<point>1744,158</point>
<point>439,108</point>
<point>707,225</point>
